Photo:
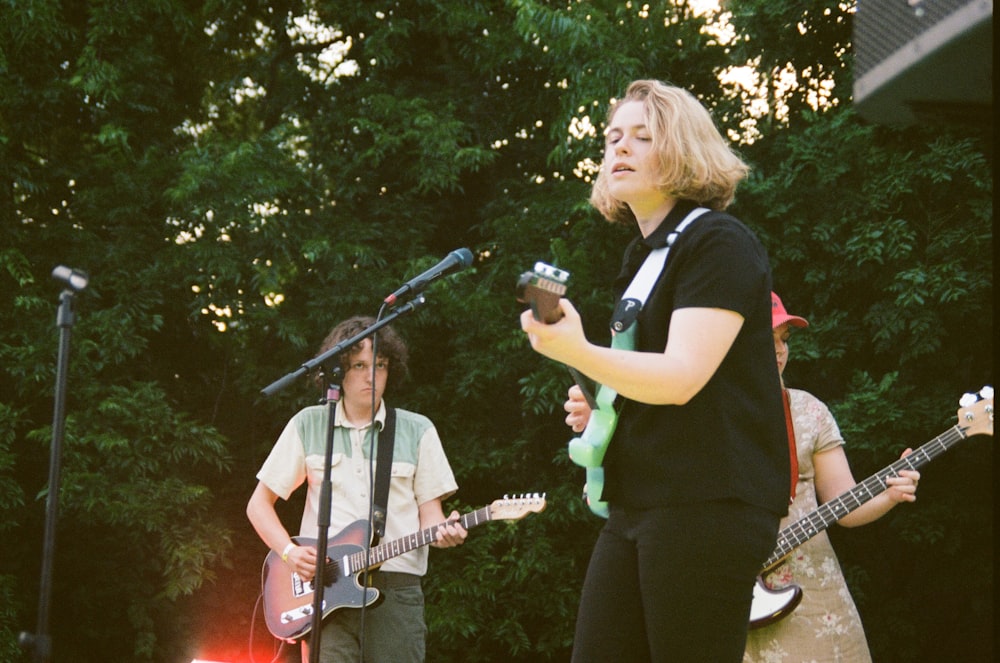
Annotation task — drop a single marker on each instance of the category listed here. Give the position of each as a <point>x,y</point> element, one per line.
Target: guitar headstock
<point>541,289</point>
<point>515,508</point>
<point>976,414</point>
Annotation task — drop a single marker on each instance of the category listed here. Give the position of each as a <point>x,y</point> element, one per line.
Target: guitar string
<point>807,527</point>
<point>389,549</point>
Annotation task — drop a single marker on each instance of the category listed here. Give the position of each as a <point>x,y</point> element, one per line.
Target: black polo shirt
<point>730,440</point>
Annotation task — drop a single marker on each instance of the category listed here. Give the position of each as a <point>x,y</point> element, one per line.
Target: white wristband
<point>284,553</point>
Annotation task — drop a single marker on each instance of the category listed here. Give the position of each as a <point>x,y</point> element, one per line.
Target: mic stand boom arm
<point>283,382</point>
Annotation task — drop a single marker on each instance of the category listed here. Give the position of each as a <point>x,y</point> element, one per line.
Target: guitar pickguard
<point>301,587</point>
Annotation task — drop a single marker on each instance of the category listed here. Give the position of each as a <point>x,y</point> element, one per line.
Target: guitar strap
<point>793,454</point>
<point>638,290</point>
<point>383,467</point>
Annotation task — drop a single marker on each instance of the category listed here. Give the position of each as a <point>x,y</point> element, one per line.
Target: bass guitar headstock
<point>976,414</point>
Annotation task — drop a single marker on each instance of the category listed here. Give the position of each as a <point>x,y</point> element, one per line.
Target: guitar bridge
<point>301,612</point>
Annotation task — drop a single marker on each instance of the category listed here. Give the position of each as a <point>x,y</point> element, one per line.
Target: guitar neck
<point>386,551</point>
<point>830,512</point>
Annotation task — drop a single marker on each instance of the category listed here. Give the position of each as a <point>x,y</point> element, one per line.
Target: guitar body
<point>288,599</point>
<point>772,605</point>
<point>588,450</point>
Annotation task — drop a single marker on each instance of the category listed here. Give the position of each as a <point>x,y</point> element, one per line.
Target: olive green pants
<point>393,629</point>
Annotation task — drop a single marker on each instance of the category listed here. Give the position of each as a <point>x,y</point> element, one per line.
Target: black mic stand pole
<point>323,517</point>
<point>40,642</point>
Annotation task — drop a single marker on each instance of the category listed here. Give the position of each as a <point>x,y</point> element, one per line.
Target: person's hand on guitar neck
<point>563,340</point>
<point>450,533</point>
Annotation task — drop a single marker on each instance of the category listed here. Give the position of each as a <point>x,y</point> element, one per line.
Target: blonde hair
<point>696,162</point>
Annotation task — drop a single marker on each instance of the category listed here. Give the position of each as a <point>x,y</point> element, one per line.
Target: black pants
<point>673,584</point>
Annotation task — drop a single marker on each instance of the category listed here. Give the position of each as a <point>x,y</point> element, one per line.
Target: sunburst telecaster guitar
<point>288,598</point>
<point>975,417</point>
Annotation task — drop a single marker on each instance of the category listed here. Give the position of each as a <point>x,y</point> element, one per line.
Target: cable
<point>253,619</point>
<point>371,486</point>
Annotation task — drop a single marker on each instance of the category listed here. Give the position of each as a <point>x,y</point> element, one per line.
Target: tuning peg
<point>986,392</point>
<point>968,399</point>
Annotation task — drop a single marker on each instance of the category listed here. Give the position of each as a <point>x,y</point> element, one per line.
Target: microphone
<point>76,279</point>
<point>455,261</point>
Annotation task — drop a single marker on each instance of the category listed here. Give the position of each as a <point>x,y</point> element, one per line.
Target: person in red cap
<point>826,625</point>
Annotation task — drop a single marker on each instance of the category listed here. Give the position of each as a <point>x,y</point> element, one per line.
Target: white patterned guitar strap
<point>637,292</point>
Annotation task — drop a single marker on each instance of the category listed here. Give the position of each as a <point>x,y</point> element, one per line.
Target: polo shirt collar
<point>658,238</point>
<point>340,419</point>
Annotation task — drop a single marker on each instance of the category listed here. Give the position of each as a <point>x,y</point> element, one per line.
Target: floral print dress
<point>826,626</point>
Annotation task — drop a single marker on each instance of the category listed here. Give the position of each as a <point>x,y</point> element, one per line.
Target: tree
<point>246,174</point>
<point>91,98</point>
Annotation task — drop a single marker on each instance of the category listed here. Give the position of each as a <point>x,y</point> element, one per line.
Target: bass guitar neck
<point>975,417</point>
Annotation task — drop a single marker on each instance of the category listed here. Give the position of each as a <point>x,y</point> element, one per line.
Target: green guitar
<point>588,450</point>
<point>541,290</point>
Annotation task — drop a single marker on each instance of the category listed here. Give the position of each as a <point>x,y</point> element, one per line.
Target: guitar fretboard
<point>385,551</point>
<point>830,512</point>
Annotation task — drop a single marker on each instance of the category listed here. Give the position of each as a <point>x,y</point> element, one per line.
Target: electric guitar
<point>975,417</point>
<point>541,290</point>
<point>288,598</point>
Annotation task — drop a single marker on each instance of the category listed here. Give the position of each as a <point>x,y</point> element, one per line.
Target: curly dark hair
<point>388,344</point>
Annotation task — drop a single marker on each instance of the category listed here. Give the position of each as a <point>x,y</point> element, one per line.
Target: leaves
<point>232,198</point>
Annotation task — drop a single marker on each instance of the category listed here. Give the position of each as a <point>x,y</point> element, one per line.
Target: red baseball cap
<point>780,316</point>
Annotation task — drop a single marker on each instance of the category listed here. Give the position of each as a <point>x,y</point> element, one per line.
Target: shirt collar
<point>658,238</point>
<point>340,419</point>
<point>640,246</point>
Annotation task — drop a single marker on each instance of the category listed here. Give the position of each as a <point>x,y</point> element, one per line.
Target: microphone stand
<point>323,517</point>
<point>326,488</point>
<point>40,642</point>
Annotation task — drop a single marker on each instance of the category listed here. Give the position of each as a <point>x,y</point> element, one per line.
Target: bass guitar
<point>541,290</point>
<point>975,417</point>
<point>288,598</point>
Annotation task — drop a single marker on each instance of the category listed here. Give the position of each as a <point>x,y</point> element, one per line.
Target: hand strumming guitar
<point>578,408</point>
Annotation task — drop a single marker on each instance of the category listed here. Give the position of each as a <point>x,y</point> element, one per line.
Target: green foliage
<point>10,614</point>
<point>233,197</point>
<point>11,493</point>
